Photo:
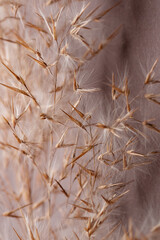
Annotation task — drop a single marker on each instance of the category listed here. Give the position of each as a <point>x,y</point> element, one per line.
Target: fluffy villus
<point>79,129</point>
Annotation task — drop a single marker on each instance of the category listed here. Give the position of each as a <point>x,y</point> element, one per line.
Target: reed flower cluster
<point>69,138</point>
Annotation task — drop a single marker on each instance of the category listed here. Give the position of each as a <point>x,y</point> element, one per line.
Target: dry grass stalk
<point>56,153</point>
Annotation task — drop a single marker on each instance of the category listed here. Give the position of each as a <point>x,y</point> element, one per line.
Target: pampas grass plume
<point>72,145</point>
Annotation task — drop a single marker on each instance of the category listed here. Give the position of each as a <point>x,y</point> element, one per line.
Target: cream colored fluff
<point>78,136</point>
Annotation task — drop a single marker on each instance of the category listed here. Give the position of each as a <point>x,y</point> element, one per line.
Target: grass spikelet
<point>149,77</point>
<point>75,121</point>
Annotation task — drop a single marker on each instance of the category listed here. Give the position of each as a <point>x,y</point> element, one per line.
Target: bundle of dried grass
<point>70,141</point>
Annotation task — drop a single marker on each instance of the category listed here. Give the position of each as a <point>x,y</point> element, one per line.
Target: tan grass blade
<point>105,43</point>
<point>38,28</point>
<point>41,63</point>
<point>82,154</point>
<point>80,14</point>
<point>91,12</point>
<point>151,126</point>
<point>16,90</point>
<point>8,214</point>
<point>20,238</point>
<point>23,43</point>
<point>89,171</point>
<point>133,165</point>
<point>19,78</point>
<point>63,190</point>
<point>75,121</point>
<point>97,18</point>
<point>79,112</point>
<point>76,236</point>
<point>111,231</point>
<point>115,199</point>
<point>54,29</point>
<point>89,90</point>
<point>83,208</point>
<point>127,95</point>
<point>37,234</point>
<point>153,97</point>
<point>149,75</point>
